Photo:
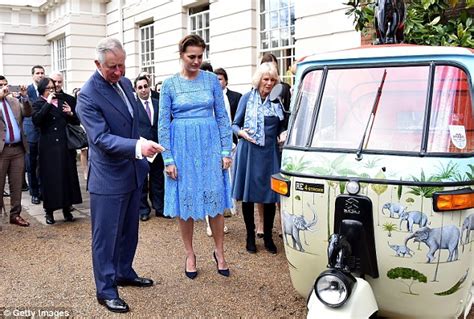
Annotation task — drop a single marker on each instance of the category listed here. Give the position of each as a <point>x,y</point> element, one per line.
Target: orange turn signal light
<point>460,199</point>
<point>280,185</point>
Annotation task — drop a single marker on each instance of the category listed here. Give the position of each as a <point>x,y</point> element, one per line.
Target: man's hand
<point>150,148</point>
<point>226,162</point>
<point>23,92</point>
<point>171,171</point>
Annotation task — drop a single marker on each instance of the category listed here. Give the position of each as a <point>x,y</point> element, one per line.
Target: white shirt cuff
<point>138,149</point>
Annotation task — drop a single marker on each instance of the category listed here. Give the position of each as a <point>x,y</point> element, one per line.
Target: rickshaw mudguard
<point>361,304</point>
<point>407,280</point>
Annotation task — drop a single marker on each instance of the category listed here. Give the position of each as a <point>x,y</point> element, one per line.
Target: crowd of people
<point>189,149</point>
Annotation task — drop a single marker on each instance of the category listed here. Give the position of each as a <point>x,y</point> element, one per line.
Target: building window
<point>147,50</point>
<point>277,33</point>
<point>199,24</point>
<point>58,53</point>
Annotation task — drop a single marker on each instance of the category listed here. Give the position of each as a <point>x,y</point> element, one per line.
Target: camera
<point>14,88</point>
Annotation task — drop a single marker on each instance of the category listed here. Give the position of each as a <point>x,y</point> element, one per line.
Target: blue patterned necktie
<point>123,97</point>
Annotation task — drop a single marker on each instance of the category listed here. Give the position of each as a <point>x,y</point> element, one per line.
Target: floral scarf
<point>255,113</point>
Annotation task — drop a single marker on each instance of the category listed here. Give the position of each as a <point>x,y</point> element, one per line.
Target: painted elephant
<point>401,250</point>
<point>446,237</point>
<point>467,226</point>
<point>293,224</point>
<point>413,218</point>
<point>393,208</point>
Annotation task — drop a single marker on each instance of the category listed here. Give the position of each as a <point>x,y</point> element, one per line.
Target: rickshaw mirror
<point>277,94</point>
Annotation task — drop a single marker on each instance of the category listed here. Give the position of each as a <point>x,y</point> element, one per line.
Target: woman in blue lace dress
<point>195,132</point>
<point>258,122</point>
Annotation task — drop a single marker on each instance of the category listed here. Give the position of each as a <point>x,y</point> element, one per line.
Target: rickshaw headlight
<point>353,187</point>
<point>333,287</point>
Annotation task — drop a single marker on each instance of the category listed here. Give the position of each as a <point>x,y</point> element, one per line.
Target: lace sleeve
<point>164,133</point>
<point>222,118</point>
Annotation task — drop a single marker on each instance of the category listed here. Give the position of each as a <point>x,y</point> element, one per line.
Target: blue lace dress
<point>195,131</point>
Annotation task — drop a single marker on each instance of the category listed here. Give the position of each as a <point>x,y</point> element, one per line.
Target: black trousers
<point>154,188</point>
<point>268,218</point>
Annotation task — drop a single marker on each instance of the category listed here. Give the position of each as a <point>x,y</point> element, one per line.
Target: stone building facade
<point>62,34</point>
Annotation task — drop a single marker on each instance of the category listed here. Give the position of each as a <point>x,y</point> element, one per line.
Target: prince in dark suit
<point>108,110</point>
<point>154,186</point>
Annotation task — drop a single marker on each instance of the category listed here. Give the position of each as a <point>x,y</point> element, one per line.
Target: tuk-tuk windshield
<point>388,105</point>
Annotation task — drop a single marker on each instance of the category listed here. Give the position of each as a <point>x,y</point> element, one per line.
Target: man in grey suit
<point>108,110</point>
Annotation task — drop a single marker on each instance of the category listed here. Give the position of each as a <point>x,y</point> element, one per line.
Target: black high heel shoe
<point>223,272</point>
<point>189,274</point>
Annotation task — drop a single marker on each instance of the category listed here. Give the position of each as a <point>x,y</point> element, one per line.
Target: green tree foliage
<point>407,274</point>
<point>389,227</point>
<point>428,22</point>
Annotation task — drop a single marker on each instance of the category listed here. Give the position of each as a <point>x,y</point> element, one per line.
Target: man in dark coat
<point>154,186</point>
<point>231,98</point>
<point>32,136</point>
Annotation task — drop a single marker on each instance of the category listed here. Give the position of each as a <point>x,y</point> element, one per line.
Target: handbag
<point>76,137</point>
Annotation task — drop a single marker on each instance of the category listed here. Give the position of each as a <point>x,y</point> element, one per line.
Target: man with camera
<point>58,80</point>
<point>13,145</point>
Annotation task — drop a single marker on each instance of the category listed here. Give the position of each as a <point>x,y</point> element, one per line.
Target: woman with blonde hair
<point>258,122</point>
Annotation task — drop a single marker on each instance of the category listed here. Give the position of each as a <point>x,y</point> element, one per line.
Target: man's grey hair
<point>107,45</point>
<point>266,68</point>
<point>56,73</point>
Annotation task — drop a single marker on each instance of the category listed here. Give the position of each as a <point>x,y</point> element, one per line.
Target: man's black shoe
<point>35,200</point>
<point>114,305</point>
<point>144,218</point>
<point>25,188</point>
<point>163,216</point>
<point>137,282</point>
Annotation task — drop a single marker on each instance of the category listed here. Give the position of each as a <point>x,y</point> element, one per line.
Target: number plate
<point>309,187</point>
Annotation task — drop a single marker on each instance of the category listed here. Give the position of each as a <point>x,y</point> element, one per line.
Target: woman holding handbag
<point>52,112</point>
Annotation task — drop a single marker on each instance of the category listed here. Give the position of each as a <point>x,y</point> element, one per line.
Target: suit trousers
<point>32,169</point>
<point>12,163</point>
<point>154,188</point>
<point>114,221</point>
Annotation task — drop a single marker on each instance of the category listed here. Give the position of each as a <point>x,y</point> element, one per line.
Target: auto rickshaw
<point>376,182</point>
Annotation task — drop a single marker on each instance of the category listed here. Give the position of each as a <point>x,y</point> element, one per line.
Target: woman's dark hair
<point>269,57</point>
<point>206,66</point>
<point>43,84</point>
<point>191,40</point>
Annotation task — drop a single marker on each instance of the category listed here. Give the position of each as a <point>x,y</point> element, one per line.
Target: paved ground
<point>49,268</point>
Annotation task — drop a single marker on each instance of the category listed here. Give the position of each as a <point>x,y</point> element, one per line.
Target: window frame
<point>426,121</point>
<point>203,12</point>
<point>285,54</point>
<point>147,57</point>
<point>59,57</point>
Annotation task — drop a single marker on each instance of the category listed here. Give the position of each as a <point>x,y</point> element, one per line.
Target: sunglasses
<point>50,87</point>
<point>145,86</point>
